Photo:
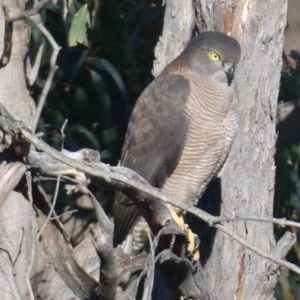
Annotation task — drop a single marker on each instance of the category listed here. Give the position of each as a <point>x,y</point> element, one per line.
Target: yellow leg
<point>192,237</point>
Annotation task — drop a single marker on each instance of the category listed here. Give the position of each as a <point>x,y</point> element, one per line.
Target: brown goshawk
<point>181,129</point>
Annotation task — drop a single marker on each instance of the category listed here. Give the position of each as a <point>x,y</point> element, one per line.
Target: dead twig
<point>42,98</point>
<point>55,193</point>
<point>283,222</point>
<point>29,193</point>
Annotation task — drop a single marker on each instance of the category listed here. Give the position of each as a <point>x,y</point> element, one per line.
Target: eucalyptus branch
<point>283,222</point>
<point>118,180</point>
<point>122,179</point>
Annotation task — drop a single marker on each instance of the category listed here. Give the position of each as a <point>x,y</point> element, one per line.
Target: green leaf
<point>79,64</point>
<point>81,100</point>
<point>83,132</point>
<point>111,135</point>
<point>105,154</point>
<point>104,65</point>
<point>36,40</point>
<point>103,99</point>
<point>79,27</point>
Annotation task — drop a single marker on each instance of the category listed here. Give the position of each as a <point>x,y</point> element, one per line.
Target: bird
<point>181,129</point>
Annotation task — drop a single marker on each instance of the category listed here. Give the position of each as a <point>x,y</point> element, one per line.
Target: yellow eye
<point>214,56</point>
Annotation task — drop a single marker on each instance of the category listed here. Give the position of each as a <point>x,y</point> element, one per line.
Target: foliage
<point>287,186</point>
<point>104,64</point>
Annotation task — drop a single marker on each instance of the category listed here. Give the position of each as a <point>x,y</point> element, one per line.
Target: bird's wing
<point>154,140</point>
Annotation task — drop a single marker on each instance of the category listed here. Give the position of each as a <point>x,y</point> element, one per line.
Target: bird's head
<point>213,54</point>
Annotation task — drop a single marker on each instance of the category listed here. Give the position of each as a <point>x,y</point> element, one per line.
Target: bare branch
<point>29,193</point>
<point>108,175</point>
<point>104,247</point>
<point>61,255</point>
<point>42,98</point>
<point>151,270</point>
<point>282,222</point>
<point>31,12</point>
<point>51,209</point>
<point>114,177</point>
<point>117,178</point>
<point>103,242</point>
<point>32,71</point>
<point>10,175</point>
<point>55,193</point>
<point>263,254</point>
<point>70,212</point>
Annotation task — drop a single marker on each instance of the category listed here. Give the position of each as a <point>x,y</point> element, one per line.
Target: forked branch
<point>122,179</point>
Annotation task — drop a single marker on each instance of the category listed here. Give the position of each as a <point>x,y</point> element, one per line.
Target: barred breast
<point>212,111</point>
<point>137,237</point>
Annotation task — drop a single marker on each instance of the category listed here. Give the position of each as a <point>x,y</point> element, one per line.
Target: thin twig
<point>283,222</point>
<point>55,193</point>
<point>20,247</point>
<point>62,177</point>
<point>70,212</point>
<point>29,187</point>
<point>42,98</point>
<point>148,286</point>
<point>32,71</point>
<point>62,130</point>
<point>51,209</point>
<point>29,193</point>
<point>65,10</point>
<point>103,244</point>
<point>102,173</point>
<point>261,253</point>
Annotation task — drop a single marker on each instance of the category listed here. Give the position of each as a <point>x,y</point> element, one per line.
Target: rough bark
<point>246,185</point>
<point>292,38</point>
<point>14,93</point>
<point>248,179</point>
<point>16,224</point>
<point>26,268</point>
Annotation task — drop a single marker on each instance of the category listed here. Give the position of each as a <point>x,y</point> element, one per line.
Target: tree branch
<point>123,179</point>
<point>282,222</point>
<point>104,246</point>
<point>31,12</point>
<point>42,98</point>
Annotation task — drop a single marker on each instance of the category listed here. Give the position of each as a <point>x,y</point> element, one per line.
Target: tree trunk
<point>14,93</point>
<point>247,181</point>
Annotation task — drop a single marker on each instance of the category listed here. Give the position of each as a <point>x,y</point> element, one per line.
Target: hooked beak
<point>228,68</point>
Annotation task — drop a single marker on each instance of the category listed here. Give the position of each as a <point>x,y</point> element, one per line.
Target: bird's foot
<point>192,238</point>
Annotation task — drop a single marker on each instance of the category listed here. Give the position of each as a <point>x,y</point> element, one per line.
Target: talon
<point>193,241</point>
<point>197,243</point>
